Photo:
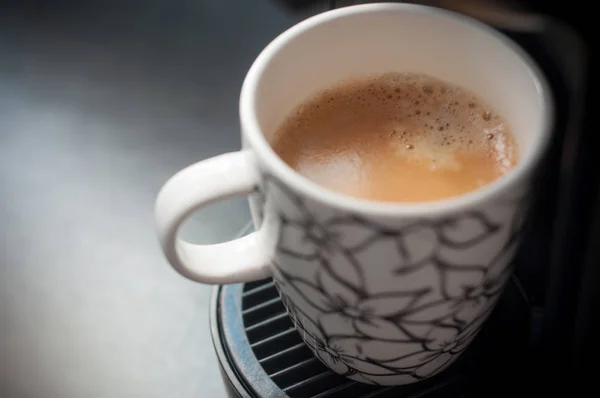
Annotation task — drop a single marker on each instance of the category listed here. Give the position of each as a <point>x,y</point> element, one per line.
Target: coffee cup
<point>383,293</point>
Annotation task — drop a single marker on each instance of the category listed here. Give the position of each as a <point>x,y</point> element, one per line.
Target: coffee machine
<point>541,335</point>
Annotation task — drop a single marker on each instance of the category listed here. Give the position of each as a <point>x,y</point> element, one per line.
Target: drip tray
<point>262,355</point>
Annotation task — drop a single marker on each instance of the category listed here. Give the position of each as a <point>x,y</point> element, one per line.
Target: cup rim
<point>279,169</point>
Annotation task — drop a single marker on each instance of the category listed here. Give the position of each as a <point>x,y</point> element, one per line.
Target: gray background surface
<point>100,102</point>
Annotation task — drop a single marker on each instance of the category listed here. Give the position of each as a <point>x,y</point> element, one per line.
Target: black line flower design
<point>445,343</point>
<point>351,337</point>
<point>345,312</point>
<point>339,353</point>
<point>303,237</point>
<point>388,304</point>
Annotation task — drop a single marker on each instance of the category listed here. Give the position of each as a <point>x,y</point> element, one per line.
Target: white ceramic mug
<point>384,293</point>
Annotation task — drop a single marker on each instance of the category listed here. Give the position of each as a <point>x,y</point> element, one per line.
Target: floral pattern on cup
<point>358,331</point>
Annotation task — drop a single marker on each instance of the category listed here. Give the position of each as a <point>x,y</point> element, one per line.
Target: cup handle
<point>221,177</point>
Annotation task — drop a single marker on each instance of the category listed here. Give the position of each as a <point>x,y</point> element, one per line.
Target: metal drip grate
<point>291,365</point>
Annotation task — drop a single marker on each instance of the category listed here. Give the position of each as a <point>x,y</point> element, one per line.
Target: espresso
<point>399,137</point>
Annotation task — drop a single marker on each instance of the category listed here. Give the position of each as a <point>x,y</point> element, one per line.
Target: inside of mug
<point>324,51</point>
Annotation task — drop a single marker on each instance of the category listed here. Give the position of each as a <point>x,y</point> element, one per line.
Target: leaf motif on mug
<point>457,279</point>
<point>292,241</point>
<point>292,207</point>
<point>381,256</point>
<point>466,230</point>
<point>353,232</point>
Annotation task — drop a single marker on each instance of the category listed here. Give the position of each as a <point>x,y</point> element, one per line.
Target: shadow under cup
<point>391,294</point>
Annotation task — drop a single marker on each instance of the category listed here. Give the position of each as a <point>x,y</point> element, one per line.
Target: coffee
<point>398,137</point>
